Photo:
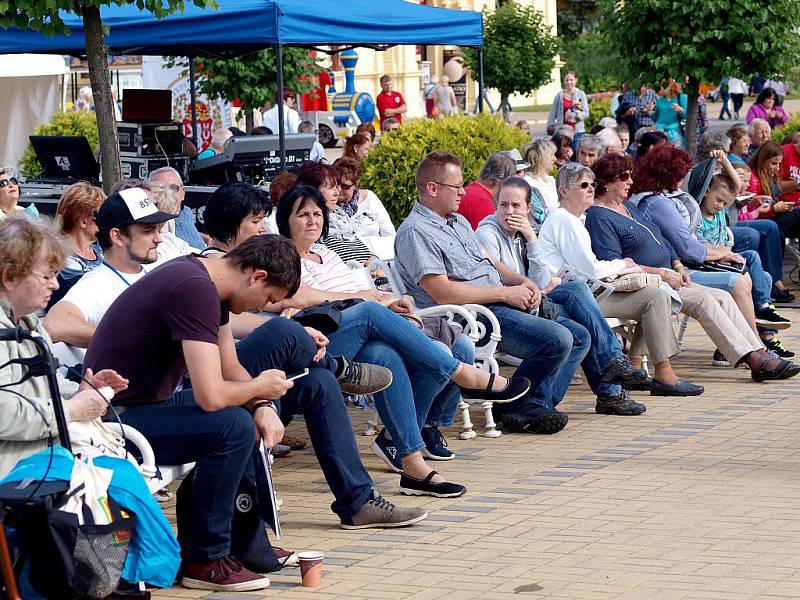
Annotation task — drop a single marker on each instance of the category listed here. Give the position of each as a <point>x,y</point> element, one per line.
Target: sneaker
<point>536,419</point>
<point>411,486</point>
<point>225,574</point>
<point>620,404</point>
<point>386,450</point>
<point>769,317</point>
<point>775,345</point>
<point>435,445</point>
<point>719,360</point>
<point>361,379</point>
<point>379,512</point>
<point>279,451</point>
<point>621,371</point>
<point>286,558</point>
<point>781,296</point>
<point>516,387</point>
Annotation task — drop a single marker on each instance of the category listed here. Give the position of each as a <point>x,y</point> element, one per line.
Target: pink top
<point>757,111</point>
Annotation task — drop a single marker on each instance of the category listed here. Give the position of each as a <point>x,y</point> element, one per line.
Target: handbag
<point>325,317</point>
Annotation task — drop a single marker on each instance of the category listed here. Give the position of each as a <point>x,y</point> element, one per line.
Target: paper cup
<point>311,568</point>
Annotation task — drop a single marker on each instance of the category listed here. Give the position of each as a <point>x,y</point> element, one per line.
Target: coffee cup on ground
<point>311,568</point>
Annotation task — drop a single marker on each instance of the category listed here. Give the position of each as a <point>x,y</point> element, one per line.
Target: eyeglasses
<point>457,186</point>
<point>624,176</point>
<point>46,278</point>
<point>585,184</point>
<point>346,186</point>
<point>174,188</point>
<point>9,181</point>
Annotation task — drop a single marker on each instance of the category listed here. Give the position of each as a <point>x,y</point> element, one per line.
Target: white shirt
<point>371,224</point>
<point>317,152</point>
<point>547,187</point>
<point>97,290</point>
<point>291,120</point>
<point>171,246</point>
<point>564,240</point>
<point>330,276</point>
<point>736,86</point>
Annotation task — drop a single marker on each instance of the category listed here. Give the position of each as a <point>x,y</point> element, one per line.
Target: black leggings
<point>789,223</point>
<point>738,101</point>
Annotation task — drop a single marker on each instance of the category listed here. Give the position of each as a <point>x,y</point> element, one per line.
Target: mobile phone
<point>302,373</point>
<point>766,202</point>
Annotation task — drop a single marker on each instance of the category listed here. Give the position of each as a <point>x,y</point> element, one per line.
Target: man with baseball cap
<point>129,226</point>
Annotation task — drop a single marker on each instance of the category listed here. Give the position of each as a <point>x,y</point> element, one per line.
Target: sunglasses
<point>586,184</point>
<point>624,176</point>
<point>9,181</point>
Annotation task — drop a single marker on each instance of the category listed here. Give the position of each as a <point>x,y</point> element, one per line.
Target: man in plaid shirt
<point>644,101</point>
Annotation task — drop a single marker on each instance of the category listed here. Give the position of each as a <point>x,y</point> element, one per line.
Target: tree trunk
<point>505,108</point>
<point>99,75</point>
<point>249,121</point>
<point>691,90</point>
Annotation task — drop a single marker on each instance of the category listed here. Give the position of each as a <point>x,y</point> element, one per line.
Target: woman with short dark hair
<point>765,107</point>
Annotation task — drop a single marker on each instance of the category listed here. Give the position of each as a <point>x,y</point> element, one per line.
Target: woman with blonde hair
<point>541,155</point>
<point>75,216</point>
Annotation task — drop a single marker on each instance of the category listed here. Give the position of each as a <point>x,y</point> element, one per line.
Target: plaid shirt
<point>640,102</point>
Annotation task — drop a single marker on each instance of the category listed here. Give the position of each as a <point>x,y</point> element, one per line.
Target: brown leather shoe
<point>225,574</point>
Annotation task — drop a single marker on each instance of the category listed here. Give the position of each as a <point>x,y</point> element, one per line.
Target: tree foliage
<point>701,41</point>
<point>63,123</point>
<point>519,50</point>
<point>576,17</point>
<point>595,59</point>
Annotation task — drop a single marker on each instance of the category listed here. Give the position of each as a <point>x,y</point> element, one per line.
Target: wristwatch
<point>260,404</point>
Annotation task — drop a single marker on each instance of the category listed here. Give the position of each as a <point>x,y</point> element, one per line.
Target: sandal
<point>784,370</point>
<point>293,443</point>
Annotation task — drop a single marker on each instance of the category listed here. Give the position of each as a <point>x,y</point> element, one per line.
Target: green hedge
<point>390,167</point>
<point>66,123</point>
<point>597,110</point>
<point>792,126</point>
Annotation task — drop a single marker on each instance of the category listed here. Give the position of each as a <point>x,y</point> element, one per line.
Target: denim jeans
<point>550,353</point>
<point>421,369</point>
<point>443,410</point>
<point>769,246</point>
<point>576,300</point>
<point>762,282</point>
<point>221,442</point>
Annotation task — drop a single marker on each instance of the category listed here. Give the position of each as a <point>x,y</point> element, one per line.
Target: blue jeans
<point>762,282</point>
<point>769,245</point>
<point>549,351</point>
<point>221,442</point>
<point>421,369</point>
<point>443,410</point>
<point>576,300</point>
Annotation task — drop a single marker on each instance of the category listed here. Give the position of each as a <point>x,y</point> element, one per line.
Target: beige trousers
<point>651,307</point>
<point>721,319</point>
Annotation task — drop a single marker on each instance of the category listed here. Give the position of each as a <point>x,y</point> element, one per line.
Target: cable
<point>161,146</point>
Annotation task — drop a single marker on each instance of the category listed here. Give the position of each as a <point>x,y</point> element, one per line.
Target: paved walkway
<point>697,498</point>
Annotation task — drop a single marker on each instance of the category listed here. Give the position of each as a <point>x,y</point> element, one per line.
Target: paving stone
<point>491,499</point>
<point>359,549</point>
<point>468,508</point>
<point>520,491</point>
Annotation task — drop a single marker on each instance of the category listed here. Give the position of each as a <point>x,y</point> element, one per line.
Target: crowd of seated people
<point>206,367</point>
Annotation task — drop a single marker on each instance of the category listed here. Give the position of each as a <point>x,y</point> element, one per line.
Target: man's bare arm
<point>66,323</point>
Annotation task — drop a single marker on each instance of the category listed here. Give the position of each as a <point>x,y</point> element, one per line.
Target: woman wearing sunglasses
<point>565,241</point>
<point>620,231</point>
<point>9,193</point>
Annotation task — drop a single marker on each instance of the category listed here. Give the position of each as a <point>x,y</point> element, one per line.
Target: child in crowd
<point>760,204</point>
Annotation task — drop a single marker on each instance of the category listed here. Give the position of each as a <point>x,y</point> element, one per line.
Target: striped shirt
<point>347,249</point>
<point>330,276</point>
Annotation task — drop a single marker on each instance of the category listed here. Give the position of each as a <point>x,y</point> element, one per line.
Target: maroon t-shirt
<point>140,335</point>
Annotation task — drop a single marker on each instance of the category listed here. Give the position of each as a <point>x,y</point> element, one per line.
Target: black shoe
<point>781,296</point>
<point>784,370</point>
<point>536,420</point>
<point>387,452</point>
<point>435,445</point>
<point>769,317</point>
<point>621,405</point>
<point>682,388</point>
<point>776,347</point>
<point>621,371</point>
<point>638,387</point>
<point>719,360</point>
<point>411,486</point>
<point>516,387</point>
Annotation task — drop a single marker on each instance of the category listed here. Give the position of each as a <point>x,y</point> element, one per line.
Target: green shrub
<point>66,123</point>
<point>597,110</point>
<point>792,126</point>
<point>390,166</point>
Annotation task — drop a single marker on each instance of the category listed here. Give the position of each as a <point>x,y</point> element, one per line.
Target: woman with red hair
<point>671,111</point>
<point>357,146</point>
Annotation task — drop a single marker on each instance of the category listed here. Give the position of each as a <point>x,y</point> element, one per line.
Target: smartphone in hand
<point>302,373</point>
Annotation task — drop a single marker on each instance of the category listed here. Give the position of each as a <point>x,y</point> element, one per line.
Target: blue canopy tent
<point>239,27</point>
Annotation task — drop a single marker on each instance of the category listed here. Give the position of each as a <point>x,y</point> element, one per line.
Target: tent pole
<point>279,100</point>
<point>193,100</point>
<point>480,79</point>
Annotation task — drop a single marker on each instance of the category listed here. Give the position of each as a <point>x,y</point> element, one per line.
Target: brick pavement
<point>697,498</point>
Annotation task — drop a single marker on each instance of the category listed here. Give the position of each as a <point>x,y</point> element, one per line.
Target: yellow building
<point>406,64</point>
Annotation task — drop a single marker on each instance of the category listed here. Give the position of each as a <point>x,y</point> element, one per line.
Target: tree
<point>44,17</point>
<point>594,59</point>
<point>702,41</point>
<point>575,17</point>
<point>252,79</point>
<point>518,53</point>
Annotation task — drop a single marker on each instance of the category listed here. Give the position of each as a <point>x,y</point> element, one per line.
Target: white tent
<point>29,95</point>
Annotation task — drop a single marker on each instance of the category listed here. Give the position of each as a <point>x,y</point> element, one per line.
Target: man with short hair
<point>441,261</point>
<point>291,118</point>
<point>590,148</point>
<point>185,227</point>
<point>389,124</point>
<point>644,102</point>
<point>238,395</point>
<point>317,151</point>
<point>389,102</point>
<point>218,140</point>
<point>476,203</point>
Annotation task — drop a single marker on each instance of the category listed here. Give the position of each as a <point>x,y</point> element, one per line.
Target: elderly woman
<point>503,236</point>
<point>765,107</point>
<point>760,132</point>
<point>357,146</point>
<point>570,106</point>
<point>541,155</point>
<point>565,241</point>
<point>9,193</point>
<point>360,214</point>
<point>740,143</point>
<point>619,230</point>
<point>30,259</point>
<point>421,368</point>
<point>655,193</point>
<point>76,213</point>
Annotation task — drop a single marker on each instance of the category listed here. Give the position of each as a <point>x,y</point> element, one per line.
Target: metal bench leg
<point>7,567</point>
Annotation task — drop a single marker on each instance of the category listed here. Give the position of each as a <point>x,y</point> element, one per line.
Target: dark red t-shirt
<point>476,204</point>
<point>391,100</point>
<point>140,335</point>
